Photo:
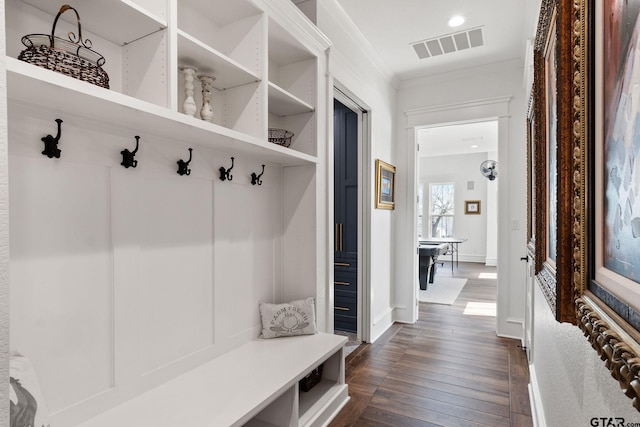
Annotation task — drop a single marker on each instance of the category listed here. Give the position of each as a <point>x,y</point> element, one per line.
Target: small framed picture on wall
<point>472,207</point>
<point>385,185</point>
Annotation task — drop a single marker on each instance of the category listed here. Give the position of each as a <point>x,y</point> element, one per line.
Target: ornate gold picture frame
<point>385,185</point>
<point>607,302</point>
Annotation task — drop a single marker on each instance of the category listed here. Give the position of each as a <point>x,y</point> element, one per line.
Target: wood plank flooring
<point>448,369</point>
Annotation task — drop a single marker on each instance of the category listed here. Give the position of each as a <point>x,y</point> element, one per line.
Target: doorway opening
<point>457,206</point>
<point>350,251</point>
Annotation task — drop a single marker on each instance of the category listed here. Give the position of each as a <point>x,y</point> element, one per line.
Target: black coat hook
<point>183,167</point>
<point>51,144</point>
<point>255,179</point>
<point>226,173</point>
<point>128,157</point>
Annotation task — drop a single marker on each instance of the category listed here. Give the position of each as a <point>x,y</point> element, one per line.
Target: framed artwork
<point>385,185</point>
<point>551,160</point>
<point>472,207</point>
<point>544,116</point>
<point>531,173</point>
<point>554,108</point>
<point>606,193</point>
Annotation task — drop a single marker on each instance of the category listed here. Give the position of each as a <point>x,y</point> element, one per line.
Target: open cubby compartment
<point>237,108</point>
<point>132,39</point>
<point>292,92</point>
<point>324,398</point>
<point>230,31</point>
<point>304,130</point>
<point>282,412</point>
<point>292,67</point>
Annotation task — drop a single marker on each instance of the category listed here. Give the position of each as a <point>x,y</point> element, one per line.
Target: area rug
<point>443,290</point>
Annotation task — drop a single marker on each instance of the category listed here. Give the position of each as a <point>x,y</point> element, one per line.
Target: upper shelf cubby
<point>292,70</point>
<point>132,39</point>
<point>119,21</point>
<point>283,103</point>
<point>231,29</point>
<point>228,73</point>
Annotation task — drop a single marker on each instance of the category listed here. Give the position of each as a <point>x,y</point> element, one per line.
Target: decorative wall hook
<point>226,173</point>
<point>128,157</point>
<point>255,179</point>
<point>183,167</point>
<point>51,144</point>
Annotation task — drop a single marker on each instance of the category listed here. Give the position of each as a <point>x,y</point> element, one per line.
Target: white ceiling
<point>465,138</point>
<point>392,26</point>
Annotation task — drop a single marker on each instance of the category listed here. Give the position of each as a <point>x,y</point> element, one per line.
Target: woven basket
<point>280,136</point>
<point>73,57</point>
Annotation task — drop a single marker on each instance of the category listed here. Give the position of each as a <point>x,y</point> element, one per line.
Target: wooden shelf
<point>32,85</point>
<point>283,103</point>
<point>221,12</point>
<point>119,21</point>
<point>228,72</point>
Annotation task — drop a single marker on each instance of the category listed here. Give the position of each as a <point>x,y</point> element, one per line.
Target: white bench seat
<point>255,384</point>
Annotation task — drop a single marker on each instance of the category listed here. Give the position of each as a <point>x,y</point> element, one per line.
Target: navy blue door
<point>345,123</point>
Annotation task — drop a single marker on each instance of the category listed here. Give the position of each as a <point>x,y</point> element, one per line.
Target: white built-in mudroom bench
<point>144,232</point>
<point>253,385</point>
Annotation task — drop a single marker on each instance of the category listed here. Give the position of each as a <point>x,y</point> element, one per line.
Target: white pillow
<point>27,407</point>
<point>290,319</point>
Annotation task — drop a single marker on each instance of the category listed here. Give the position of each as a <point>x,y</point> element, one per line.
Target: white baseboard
<point>381,323</point>
<point>491,262</point>
<point>465,258</point>
<point>537,412</point>
<point>510,328</point>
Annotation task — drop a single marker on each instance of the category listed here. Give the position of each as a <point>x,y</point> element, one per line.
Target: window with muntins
<point>441,209</point>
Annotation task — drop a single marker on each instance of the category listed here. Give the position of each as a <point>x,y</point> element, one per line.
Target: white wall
<point>351,67</point>
<point>571,383</point>
<point>466,87</point>
<point>459,169</point>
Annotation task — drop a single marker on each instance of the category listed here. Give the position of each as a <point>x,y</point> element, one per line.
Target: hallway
<point>448,369</point>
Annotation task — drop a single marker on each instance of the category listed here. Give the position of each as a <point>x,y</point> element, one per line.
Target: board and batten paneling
<point>61,279</point>
<point>176,250</point>
<point>247,257</point>
<point>123,278</point>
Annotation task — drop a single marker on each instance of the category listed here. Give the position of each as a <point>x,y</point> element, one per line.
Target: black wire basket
<point>280,136</point>
<point>73,57</point>
<point>311,380</point>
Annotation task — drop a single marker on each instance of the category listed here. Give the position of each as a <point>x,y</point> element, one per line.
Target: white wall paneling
<point>122,279</point>
<point>247,256</point>
<point>61,275</point>
<point>176,245</point>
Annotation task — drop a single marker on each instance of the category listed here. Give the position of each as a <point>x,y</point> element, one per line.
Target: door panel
<point>346,217</point>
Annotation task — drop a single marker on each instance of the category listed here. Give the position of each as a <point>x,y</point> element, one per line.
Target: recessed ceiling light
<point>456,21</point>
<point>474,146</point>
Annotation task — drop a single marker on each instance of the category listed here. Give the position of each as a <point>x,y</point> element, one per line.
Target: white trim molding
<point>537,411</point>
<point>464,112</point>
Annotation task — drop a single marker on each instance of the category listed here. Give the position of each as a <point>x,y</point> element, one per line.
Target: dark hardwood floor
<point>448,369</point>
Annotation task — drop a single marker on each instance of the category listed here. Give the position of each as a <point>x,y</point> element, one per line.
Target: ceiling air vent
<point>449,43</point>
